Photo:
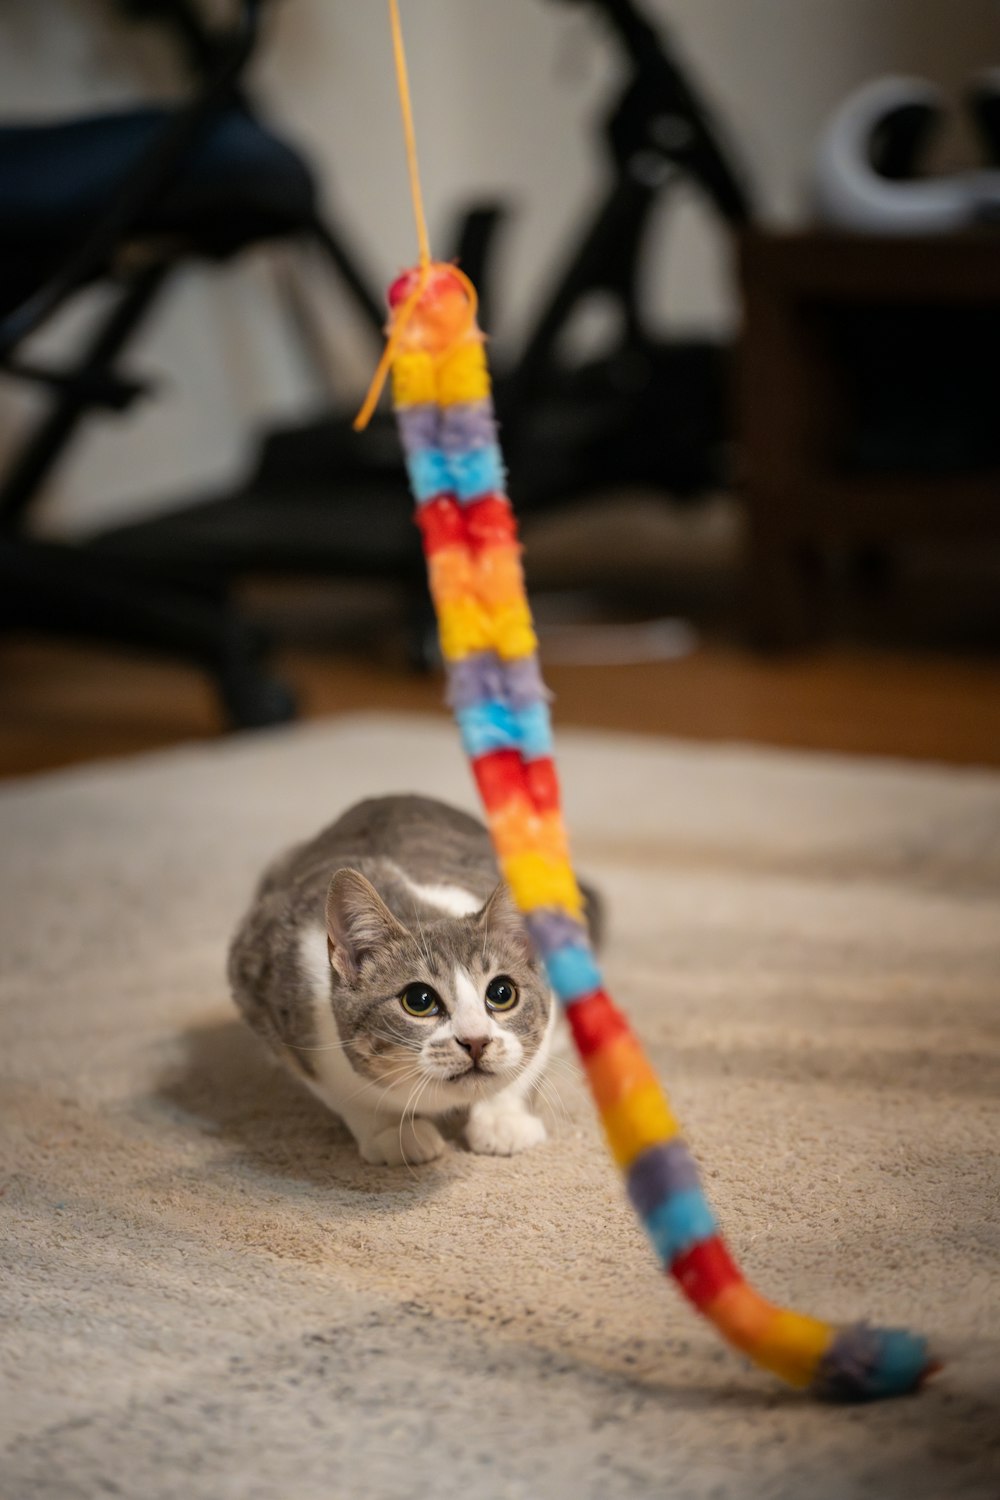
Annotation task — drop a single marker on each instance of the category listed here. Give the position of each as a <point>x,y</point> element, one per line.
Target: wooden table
<point>794,403</point>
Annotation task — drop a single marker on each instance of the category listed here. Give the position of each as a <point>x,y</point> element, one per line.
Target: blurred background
<point>739,271</point>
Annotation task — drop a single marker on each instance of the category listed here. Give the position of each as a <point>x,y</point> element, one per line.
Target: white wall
<point>504,93</point>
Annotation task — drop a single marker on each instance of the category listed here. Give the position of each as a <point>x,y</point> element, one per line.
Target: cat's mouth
<point>474,1070</point>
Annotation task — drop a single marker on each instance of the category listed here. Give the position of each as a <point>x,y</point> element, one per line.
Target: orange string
<point>402,317</point>
<point>409,133</point>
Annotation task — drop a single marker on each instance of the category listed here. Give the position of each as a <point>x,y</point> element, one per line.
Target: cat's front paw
<point>503,1130</point>
<point>407,1143</point>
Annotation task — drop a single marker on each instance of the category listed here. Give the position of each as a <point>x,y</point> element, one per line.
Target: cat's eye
<point>420,1000</point>
<point>501,993</point>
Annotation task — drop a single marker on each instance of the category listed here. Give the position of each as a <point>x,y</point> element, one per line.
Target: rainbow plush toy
<point>441,391</point>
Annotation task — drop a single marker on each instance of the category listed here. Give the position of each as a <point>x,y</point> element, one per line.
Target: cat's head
<point>456,1005</point>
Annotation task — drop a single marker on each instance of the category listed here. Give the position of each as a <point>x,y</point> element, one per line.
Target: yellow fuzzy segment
<point>513,632</point>
<point>792,1345</point>
<point>536,880</point>
<point>450,574</point>
<point>462,375</point>
<point>414,380</point>
<point>640,1120</point>
<point>464,628</point>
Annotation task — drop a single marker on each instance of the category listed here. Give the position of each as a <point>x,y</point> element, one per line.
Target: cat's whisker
<point>405,1070</point>
<point>550,1094</point>
<point>414,1097</point>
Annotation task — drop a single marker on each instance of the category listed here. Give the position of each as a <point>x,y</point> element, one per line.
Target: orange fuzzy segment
<point>499,576</point>
<point>742,1315</point>
<point>616,1070</point>
<point>451,576</point>
<point>640,1120</point>
<point>518,829</point>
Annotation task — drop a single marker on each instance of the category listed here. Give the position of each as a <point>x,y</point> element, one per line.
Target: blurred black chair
<point>125,199</point>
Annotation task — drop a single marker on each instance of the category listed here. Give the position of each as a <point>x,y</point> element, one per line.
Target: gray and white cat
<point>386,966</point>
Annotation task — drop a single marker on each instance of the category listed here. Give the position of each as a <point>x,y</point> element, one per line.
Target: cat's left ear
<point>501,916</point>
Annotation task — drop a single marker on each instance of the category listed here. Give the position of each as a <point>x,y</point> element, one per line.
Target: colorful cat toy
<point>444,409</point>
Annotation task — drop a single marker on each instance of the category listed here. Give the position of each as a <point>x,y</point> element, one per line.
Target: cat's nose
<point>475,1045</point>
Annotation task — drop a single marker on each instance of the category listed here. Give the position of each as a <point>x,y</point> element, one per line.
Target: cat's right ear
<point>357,920</point>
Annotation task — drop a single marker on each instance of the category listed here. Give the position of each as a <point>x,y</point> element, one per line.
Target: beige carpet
<point>206,1294</point>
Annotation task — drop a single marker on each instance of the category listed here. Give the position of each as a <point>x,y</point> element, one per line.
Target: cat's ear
<point>357,920</point>
<point>501,916</point>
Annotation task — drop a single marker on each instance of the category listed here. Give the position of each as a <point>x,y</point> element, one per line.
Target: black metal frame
<point>59,588</point>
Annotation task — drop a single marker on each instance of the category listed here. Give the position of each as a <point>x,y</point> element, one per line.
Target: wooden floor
<point>60,705</point>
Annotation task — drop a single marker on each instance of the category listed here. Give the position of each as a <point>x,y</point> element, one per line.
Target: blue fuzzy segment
<point>485,727</point>
<point>429,473</point>
<point>478,472</point>
<point>534,724</point>
<point>572,972</point>
<point>679,1223</point>
<point>901,1362</point>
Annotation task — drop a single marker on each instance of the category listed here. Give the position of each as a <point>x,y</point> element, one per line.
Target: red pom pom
<point>543,783</point>
<point>442,280</point>
<point>594,1022</point>
<point>491,522</point>
<point>499,777</point>
<point>705,1271</point>
<point>441,524</point>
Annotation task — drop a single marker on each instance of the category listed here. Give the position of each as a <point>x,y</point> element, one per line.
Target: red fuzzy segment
<point>543,783</point>
<point>441,524</point>
<point>491,522</point>
<point>705,1271</point>
<point>594,1022</point>
<point>499,777</point>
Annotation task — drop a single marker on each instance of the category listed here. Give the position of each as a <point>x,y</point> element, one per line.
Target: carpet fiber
<point>207,1294</point>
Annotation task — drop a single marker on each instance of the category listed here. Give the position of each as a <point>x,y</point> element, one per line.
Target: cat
<point>384,963</point>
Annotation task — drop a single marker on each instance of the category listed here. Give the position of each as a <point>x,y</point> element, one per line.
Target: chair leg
<point>67,590</point>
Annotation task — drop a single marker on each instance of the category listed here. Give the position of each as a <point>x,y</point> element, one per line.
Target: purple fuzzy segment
<point>847,1365</point>
<point>477,679</point>
<point>467,425</point>
<point>658,1173</point>
<point>418,427</point>
<point>551,930</point>
<point>523,683</point>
